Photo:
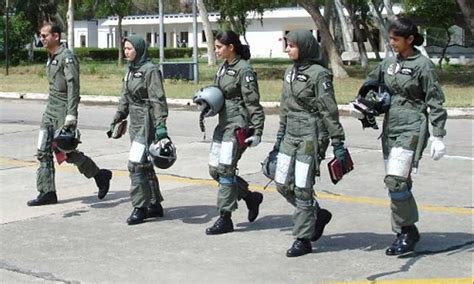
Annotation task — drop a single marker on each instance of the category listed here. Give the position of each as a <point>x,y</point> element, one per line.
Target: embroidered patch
<point>231,72</point>
<point>137,74</point>
<point>249,78</point>
<point>54,62</point>
<point>327,85</point>
<point>301,77</point>
<point>393,69</point>
<point>406,71</point>
<point>69,60</point>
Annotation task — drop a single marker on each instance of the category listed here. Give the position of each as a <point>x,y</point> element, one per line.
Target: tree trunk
<point>70,25</point>
<point>364,60</point>
<point>443,52</point>
<point>119,41</point>
<point>345,29</point>
<point>467,10</point>
<point>383,28</point>
<point>388,7</point>
<point>326,39</point>
<point>373,43</point>
<point>211,54</point>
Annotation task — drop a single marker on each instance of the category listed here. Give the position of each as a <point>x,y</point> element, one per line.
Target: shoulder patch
<point>69,60</point>
<point>327,85</point>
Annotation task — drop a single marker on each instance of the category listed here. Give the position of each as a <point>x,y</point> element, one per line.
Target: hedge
<point>103,54</point>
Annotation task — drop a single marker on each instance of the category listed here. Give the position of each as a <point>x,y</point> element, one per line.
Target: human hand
<point>253,140</point>
<point>161,132</point>
<point>70,122</point>
<point>438,149</point>
<point>340,153</point>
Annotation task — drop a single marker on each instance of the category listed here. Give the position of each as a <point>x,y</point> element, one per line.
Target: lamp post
<point>7,20</point>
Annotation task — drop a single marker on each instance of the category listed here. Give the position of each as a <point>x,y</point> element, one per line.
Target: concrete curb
<point>467,112</point>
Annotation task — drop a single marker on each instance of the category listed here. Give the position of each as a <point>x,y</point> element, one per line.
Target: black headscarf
<point>142,53</point>
<point>310,52</point>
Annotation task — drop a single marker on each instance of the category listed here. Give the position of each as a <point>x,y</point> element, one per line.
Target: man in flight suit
<point>62,69</point>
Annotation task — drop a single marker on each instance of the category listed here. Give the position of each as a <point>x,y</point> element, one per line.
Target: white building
<point>264,37</point>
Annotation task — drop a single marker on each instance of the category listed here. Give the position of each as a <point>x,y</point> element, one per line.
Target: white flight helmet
<point>209,99</point>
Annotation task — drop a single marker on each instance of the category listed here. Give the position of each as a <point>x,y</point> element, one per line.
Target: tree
<point>437,14</point>
<point>467,9</point>
<point>19,25</point>
<point>346,32</point>
<point>376,9</point>
<point>327,41</point>
<point>119,8</point>
<point>356,8</point>
<point>70,25</point>
<point>211,54</point>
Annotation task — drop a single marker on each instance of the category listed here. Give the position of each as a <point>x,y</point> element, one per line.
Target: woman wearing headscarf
<point>307,101</point>
<point>143,98</point>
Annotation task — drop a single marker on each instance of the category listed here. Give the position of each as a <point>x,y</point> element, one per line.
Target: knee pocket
<point>304,198</point>
<point>214,173</point>
<point>399,187</point>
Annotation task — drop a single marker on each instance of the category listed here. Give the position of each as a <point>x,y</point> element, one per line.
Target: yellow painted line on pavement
<point>410,281</point>
<point>8,162</point>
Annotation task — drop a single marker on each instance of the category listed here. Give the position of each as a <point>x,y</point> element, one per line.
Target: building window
<point>183,39</point>
<point>83,40</point>
<point>148,38</point>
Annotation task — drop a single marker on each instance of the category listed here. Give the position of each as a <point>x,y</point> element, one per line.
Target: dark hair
<point>54,28</point>
<point>405,28</point>
<point>230,37</point>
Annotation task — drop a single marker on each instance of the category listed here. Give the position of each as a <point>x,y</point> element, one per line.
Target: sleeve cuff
<point>439,132</point>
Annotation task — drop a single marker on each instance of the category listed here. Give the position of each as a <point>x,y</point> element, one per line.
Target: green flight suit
<point>308,113</point>
<point>415,91</point>
<point>241,109</point>
<point>62,70</point>
<point>143,98</point>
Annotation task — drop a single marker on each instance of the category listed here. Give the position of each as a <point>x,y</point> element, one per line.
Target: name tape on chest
<point>302,78</point>
<point>231,72</point>
<point>137,74</point>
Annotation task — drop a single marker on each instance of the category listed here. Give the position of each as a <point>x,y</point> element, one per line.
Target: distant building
<point>264,37</point>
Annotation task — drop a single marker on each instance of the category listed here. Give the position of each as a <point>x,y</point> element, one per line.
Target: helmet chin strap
<point>201,120</point>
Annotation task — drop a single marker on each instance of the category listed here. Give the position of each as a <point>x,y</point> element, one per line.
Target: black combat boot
<point>405,242</point>
<point>222,225</point>
<point>102,179</point>
<point>138,216</point>
<point>155,210</point>
<point>322,219</point>
<point>253,200</point>
<point>44,199</point>
<point>300,247</point>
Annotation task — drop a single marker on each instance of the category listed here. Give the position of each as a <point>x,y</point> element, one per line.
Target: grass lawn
<point>105,78</point>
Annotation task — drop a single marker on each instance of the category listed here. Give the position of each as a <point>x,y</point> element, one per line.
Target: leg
<point>88,168</point>
<point>140,192</point>
<point>155,209</point>
<point>403,205</point>
<point>45,183</point>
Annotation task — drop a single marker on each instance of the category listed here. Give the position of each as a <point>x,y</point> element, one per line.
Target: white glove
<point>253,141</point>
<point>355,112</point>
<point>437,148</point>
<point>70,121</point>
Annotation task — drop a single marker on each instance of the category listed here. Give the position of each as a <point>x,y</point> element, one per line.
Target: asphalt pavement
<point>85,240</point>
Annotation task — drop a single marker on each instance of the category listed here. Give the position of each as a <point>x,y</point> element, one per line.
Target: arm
<point>434,100</point>
<point>251,97</point>
<point>327,107</point>
<point>71,74</point>
<point>157,97</point>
